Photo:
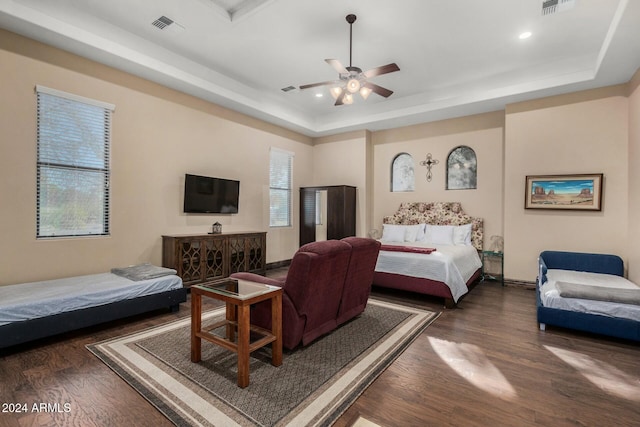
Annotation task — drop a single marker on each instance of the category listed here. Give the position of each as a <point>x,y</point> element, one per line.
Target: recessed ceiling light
<point>525,35</point>
<point>319,95</point>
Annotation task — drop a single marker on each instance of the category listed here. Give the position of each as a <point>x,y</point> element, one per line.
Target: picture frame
<point>575,192</point>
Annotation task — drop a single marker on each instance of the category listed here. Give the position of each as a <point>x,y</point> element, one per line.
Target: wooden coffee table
<point>238,295</point>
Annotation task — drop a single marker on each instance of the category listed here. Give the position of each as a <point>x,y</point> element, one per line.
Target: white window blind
<point>280,184</point>
<point>74,135</point>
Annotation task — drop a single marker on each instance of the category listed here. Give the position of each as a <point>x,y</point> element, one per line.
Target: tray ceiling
<point>456,57</point>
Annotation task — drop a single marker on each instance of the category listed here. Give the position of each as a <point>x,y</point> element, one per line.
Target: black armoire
<point>340,213</point>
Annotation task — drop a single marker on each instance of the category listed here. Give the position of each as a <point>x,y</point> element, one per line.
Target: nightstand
<point>490,259</point>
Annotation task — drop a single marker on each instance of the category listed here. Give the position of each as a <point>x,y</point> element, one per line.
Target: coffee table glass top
<point>238,288</point>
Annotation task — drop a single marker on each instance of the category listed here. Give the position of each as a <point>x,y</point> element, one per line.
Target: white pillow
<point>412,232</point>
<point>392,233</point>
<point>422,232</point>
<point>440,234</point>
<point>462,235</point>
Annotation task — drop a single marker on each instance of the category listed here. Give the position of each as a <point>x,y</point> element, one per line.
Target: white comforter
<point>39,299</point>
<point>452,265</point>
<point>551,298</point>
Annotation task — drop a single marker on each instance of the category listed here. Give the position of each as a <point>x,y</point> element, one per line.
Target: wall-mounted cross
<point>429,163</point>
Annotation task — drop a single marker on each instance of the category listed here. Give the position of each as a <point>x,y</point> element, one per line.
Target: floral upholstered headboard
<point>437,213</point>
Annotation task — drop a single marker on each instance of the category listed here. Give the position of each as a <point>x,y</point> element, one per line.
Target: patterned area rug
<point>314,385</point>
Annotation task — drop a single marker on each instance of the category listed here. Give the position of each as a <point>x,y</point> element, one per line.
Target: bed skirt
<point>421,285</point>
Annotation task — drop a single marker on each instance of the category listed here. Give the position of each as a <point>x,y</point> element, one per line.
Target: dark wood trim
<point>278,264</point>
<point>520,283</point>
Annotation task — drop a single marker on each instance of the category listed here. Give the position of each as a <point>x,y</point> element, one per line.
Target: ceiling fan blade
<point>385,69</point>
<point>337,65</point>
<point>340,99</point>
<point>379,89</point>
<point>318,84</point>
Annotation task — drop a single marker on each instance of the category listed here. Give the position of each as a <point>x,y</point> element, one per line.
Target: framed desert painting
<point>568,192</point>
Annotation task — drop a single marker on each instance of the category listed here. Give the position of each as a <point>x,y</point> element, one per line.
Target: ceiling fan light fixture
<point>335,91</point>
<point>352,80</point>
<point>353,85</point>
<point>365,92</point>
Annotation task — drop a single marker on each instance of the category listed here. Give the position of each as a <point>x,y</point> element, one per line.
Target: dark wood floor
<point>482,364</point>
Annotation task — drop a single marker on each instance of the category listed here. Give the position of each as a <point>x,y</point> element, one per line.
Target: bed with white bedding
<point>29,311</point>
<point>448,264</point>
<point>449,270</point>
<point>587,292</point>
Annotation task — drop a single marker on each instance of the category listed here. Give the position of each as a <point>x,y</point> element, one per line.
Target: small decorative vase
<point>216,228</point>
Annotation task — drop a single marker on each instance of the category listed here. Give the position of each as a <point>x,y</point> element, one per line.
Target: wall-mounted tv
<point>203,194</point>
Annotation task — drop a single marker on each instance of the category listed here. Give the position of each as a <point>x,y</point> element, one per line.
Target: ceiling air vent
<point>165,23</point>
<point>162,22</point>
<point>550,7</point>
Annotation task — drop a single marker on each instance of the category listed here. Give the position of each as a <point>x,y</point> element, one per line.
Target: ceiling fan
<point>353,79</point>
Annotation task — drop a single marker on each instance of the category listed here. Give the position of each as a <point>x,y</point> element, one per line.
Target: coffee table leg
<point>232,316</point>
<point>196,327</point>
<point>244,325</point>
<point>276,329</point>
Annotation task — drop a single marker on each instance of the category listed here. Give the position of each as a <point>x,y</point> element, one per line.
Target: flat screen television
<point>203,194</point>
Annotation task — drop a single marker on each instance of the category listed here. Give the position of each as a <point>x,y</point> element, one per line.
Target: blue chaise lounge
<point>587,292</point>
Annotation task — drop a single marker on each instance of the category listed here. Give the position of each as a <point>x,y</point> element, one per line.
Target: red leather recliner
<point>312,291</point>
<point>314,300</point>
<point>357,285</point>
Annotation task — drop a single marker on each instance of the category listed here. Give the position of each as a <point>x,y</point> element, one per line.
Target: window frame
<point>46,164</point>
<point>469,168</point>
<point>395,170</point>
<point>287,188</point>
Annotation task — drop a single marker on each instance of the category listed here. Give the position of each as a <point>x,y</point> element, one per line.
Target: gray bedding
<point>33,300</point>
<point>599,293</point>
<point>144,271</point>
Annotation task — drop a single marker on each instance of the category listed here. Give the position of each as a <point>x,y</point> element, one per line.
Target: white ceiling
<point>456,57</point>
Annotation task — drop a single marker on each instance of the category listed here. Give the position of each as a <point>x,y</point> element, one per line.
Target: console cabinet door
<point>246,253</point>
<point>201,258</point>
<point>255,248</point>
<point>190,255</point>
<point>214,267</point>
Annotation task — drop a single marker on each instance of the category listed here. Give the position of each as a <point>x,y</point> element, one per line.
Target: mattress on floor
<point>32,300</point>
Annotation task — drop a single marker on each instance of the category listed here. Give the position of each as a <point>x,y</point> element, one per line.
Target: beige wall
<point>483,133</point>
<point>634,179</point>
<point>342,160</point>
<point>585,132</point>
<point>158,135</point>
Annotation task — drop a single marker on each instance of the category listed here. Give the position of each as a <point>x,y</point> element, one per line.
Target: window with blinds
<point>280,184</point>
<point>74,135</point>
